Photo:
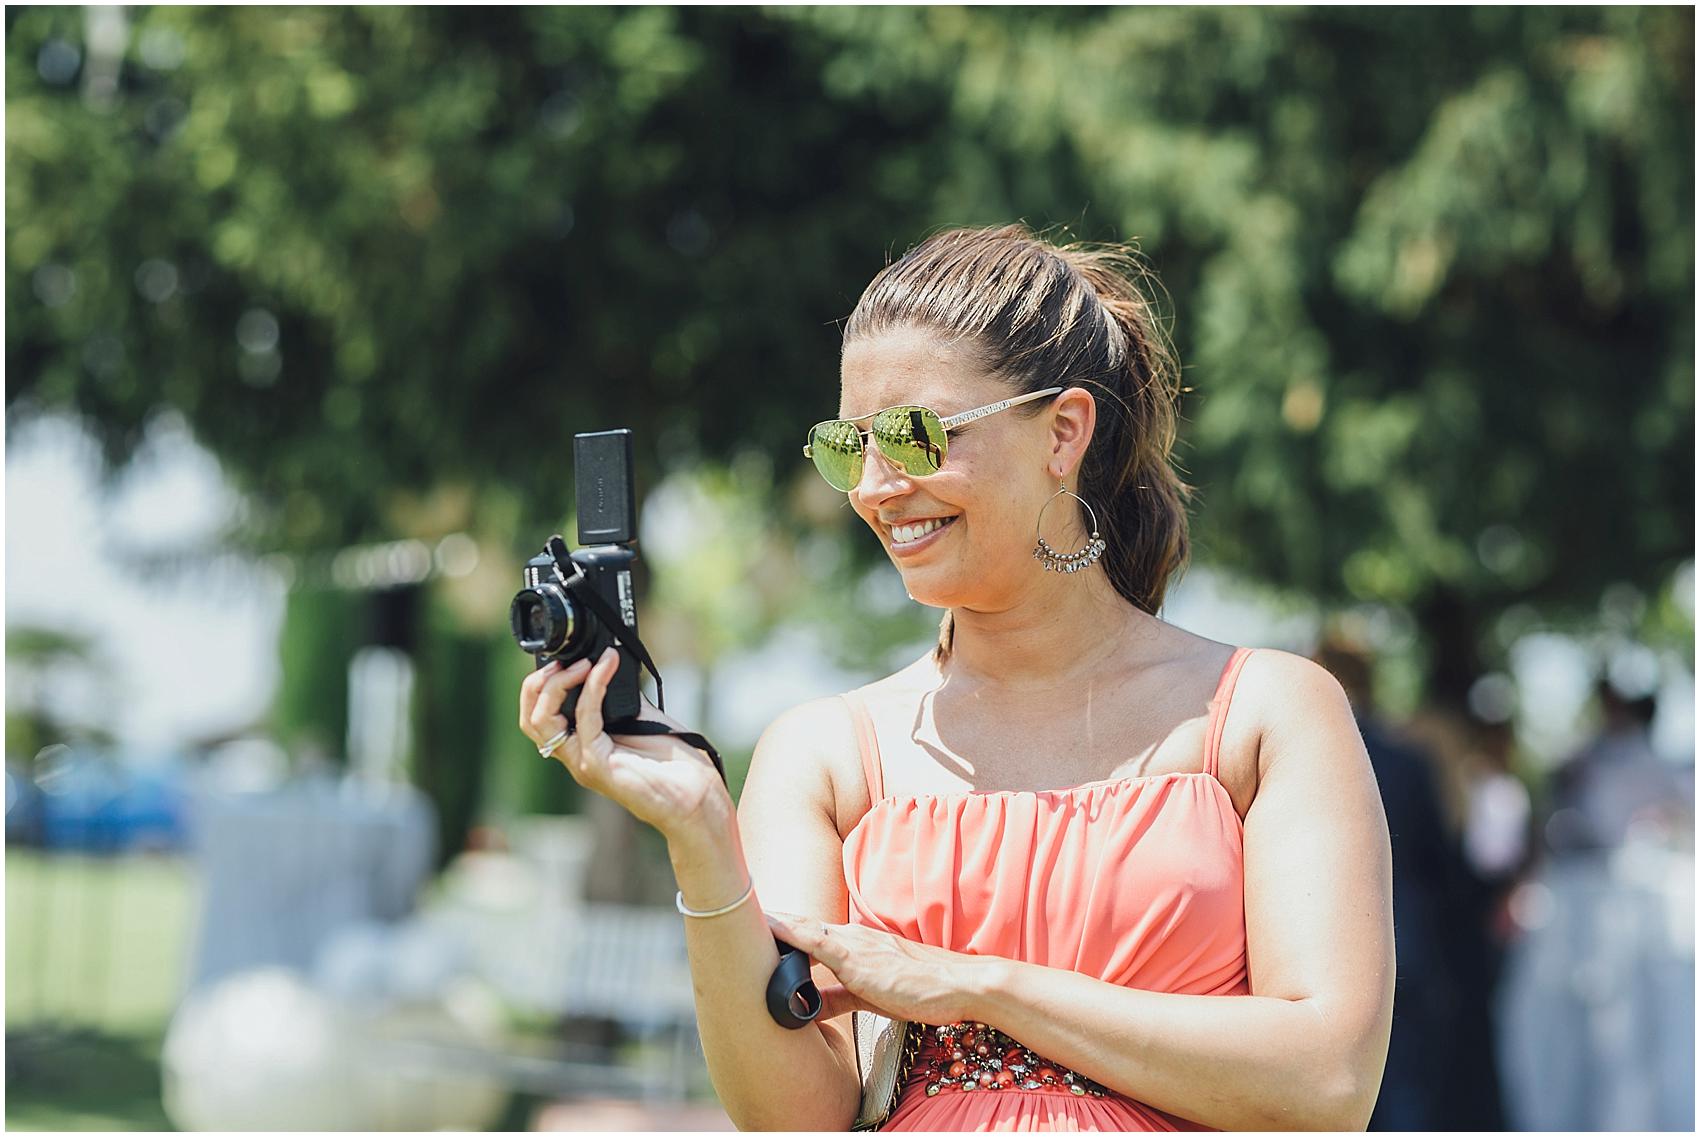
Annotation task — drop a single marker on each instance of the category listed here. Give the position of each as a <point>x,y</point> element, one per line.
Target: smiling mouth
<point>911,534</point>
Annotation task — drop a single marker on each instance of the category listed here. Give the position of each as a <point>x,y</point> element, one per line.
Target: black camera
<point>574,603</point>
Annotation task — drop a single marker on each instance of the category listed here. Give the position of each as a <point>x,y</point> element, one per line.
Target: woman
<point>1071,828</point>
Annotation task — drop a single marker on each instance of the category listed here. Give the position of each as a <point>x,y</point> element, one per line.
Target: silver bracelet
<point>679,902</point>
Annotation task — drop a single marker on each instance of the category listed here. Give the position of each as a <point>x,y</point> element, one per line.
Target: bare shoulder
<point>1270,677</point>
<point>1290,707</point>
<point>807,759</point>
<point>803,724</point>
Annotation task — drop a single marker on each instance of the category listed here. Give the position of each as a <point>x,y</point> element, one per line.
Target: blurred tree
<point>371,253</point>
<point>37,659</point>
<point>1433,269</point>
<point>1433,273</point>
<point>318,640</point>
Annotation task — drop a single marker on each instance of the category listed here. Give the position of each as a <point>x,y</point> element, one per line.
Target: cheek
<point>983,489</point>
<point>997,536</point>
<point>996,525</point>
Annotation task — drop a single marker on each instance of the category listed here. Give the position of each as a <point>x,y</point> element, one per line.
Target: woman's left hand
<point>886,974</point>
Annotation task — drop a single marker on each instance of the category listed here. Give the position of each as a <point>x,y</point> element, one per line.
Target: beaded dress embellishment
<point>972,1056</point>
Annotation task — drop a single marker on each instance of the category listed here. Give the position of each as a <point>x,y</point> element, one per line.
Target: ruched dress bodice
<point>1135,881</point>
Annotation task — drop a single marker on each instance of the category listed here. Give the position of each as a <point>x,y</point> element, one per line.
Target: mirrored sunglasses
<point>914,439</point>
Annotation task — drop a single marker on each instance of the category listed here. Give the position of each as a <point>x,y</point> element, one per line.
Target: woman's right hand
<point>661,779</point>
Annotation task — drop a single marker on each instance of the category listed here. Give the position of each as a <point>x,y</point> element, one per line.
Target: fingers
<point>529,690</point>
<point>541,695</point>
<point>810,935</point>
<point>589,709</point>
<point>831,946</point>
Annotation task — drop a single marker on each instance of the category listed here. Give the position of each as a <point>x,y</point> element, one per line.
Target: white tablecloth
<point>283,870</point>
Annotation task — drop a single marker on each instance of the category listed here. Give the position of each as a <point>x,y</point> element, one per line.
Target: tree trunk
<point>1453,629</point>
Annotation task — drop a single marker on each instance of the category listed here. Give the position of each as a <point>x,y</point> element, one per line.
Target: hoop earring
<point>1080,558</point>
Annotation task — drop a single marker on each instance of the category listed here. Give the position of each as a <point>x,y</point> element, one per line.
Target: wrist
<point>986,984</point>
<point>708,859</point>
<point>711,826</point>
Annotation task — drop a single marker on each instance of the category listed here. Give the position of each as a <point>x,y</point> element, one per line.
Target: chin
<point>934,590</point>
<point>990,589</point>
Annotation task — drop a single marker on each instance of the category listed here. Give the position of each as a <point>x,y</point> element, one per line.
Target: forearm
<point>1230,1062</point>
<point>767,1077</point>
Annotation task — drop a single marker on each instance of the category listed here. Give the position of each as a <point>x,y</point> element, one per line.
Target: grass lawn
<point>95,955</point>
<point>84,1082</point>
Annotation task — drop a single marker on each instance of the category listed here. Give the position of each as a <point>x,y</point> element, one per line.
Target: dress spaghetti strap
<point>867,743</point>
<point>1219,709</point>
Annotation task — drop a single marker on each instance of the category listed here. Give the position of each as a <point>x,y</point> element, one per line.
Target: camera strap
<point>792,997</point>
<point>628,639</point>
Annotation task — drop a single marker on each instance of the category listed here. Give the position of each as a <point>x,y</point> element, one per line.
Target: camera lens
<point>541,619</point>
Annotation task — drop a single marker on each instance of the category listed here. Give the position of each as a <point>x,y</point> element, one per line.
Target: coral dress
<point>1137,881</point>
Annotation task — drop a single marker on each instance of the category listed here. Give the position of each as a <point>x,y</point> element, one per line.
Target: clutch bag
<point>885,1052</point>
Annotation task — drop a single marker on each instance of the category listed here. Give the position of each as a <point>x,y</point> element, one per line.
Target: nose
<point>881,480</point>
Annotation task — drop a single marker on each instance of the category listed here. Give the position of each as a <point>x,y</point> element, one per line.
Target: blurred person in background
<point>1498,844</point>
<point>1492,853</point>
<point>1616,782</point>
<point>1059,837</point>
<point>1598,1001</point>
<point>1426,1010</point>
<point>1496,838</point>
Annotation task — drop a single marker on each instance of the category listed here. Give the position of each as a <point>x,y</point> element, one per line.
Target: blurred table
<point>283,870</point>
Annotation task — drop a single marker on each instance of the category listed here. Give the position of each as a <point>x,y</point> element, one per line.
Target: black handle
<point>792,997</point>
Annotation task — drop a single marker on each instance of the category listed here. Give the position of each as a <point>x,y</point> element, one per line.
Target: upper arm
<point>1318,864</point>
<point>787,821</point>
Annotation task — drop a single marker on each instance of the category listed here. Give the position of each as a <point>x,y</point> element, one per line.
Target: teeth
<point>903,534</point>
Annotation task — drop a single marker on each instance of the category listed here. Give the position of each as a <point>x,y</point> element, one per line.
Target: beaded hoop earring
<point>1080,558</point>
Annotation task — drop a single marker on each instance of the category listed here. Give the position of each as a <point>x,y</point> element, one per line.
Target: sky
<point>179,658</point>
<point>194,655</point>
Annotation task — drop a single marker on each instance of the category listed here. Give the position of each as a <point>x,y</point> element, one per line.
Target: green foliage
<point>1431,270</point>
<point>322,629</point>
<point>453,710</point>
<point>409,247</point>
<point>45,647</point>
<point>34,654</point>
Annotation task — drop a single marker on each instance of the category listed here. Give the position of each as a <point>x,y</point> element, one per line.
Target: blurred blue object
<point>80,801</point>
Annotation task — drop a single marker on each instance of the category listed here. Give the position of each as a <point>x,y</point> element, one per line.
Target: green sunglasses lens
<point>836,448</point>
<point>912,438</point>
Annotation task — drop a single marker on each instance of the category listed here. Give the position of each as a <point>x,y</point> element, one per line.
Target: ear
<point>1073,414</point>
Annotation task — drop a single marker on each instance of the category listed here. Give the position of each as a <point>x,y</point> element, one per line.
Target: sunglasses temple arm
<point>955,421</point>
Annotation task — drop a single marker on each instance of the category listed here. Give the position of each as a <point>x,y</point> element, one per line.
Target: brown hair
<point>1045,315</point>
